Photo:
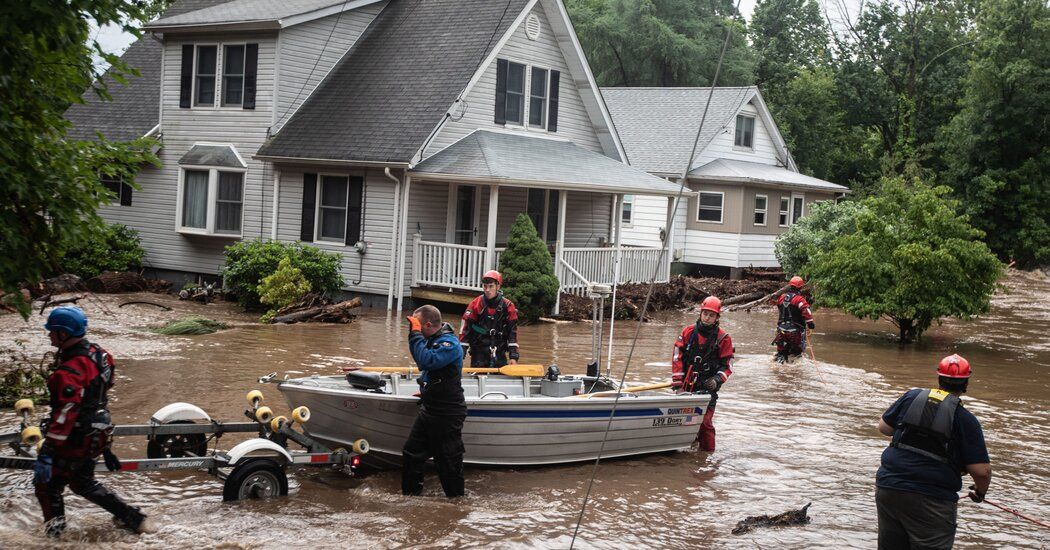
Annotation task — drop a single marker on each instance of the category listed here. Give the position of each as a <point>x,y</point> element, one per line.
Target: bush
<point>115,248</point>
<point>249,262</point>
<point>284,286</point>
<point>528,272</point>
<point>192,325</point>
<point>814,232</point>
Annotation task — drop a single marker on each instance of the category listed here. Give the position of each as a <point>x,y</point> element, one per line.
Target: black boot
<point>55,527</point>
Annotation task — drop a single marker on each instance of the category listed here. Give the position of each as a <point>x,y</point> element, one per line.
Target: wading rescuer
<point>794,318</point>
<point>702,361</point>
<point>935,440</point>
<point>490,326</point>
<point>78,429</point>
<point>438,429</point>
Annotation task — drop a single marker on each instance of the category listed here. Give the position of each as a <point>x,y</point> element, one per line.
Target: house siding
<point>573,121</point>
<point>308,51</point>
<point>722,146</point>
<point>732,208</point>
<point>373,268</point>
<point>772,226</point>
<point>153,210</point>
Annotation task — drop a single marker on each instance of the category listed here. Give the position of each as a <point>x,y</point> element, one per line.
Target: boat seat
<point>365,380</point>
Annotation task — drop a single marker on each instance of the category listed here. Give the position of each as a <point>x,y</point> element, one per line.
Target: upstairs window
<point>516,82</point>
<point>745,131</point>
<point>710,207</point>
<point>516,94</point>
<point>628,208</point>
<point>538,99</point>
<point>204,76</point>
<point>760,209</point>
<point>233,75</point>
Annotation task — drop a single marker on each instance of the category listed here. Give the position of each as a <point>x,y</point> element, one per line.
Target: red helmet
<point>954,366</point>
<point>796,282</point>
<point>494,275</point>
<point>711,303</point>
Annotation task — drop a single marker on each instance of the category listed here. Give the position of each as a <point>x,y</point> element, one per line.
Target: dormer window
<point>745,132</point>
<point>516,82</point>
<point>202,83</point>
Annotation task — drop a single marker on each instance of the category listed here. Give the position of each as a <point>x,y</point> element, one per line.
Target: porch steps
<point>447,295</point>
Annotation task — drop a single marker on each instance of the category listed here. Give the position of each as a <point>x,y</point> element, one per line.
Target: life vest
<point>790,316</point>
<point>490,328</point>
<point>926,427</point>
<point>702,358</point>
<point>93,428</point>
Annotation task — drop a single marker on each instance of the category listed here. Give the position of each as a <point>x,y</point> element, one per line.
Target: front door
<point>465,230</point>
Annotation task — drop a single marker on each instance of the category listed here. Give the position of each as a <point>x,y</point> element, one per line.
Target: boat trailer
<point>178,436</point>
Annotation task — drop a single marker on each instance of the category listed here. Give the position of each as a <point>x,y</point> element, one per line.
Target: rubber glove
<point>975,495</point>
<point>111,460</point>
<point>811,325</point>
<point>413,324</point>
<point>712,384</point>
<point>42,469</point>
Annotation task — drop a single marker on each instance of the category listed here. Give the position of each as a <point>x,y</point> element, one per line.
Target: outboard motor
<point>553,372</point>
<point>365,380</point>
<point>592,369</point>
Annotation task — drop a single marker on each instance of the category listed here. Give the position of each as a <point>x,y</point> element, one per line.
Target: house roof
<point>135,107</point>
<point>726,170</point>
<point>256,14</point>
<point>520,159</point>
<point>395,84</point>
<point>657,126</point>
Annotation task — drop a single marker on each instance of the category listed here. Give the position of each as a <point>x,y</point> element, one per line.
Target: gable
<point>723,145</point>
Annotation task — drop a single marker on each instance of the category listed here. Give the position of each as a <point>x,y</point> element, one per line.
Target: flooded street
<point>787,435</point>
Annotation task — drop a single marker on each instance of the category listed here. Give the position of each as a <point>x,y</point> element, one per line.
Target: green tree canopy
<point>51,186</point>
<point>998,146</point>
<point>911,258</point>
<point>662,42</point>
<point>814,232</point>
<point>528,271</point>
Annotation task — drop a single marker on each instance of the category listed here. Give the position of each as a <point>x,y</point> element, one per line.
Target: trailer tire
<point>255,478</point>
<point>177,446</point>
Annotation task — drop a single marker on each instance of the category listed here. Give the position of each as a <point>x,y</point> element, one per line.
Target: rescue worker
<point>702,362</point>
<point>490,326</point>
<point>794,318</point>
<point>78,429</point>
<point>438,429</point>
<point>934,441</point>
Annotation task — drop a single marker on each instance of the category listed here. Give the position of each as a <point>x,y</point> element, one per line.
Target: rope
<point>652,280</point>
<point>1018,514</point>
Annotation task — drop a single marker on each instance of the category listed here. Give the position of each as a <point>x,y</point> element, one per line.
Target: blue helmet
<point>68,319</point>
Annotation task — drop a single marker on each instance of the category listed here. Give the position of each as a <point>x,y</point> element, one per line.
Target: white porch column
<point>617,258</point>
<point>490,236</point>
<point>395,236</point>
<point>672,210</point>
<point>276,203</point>
<point>404,236</point>
<point>559,246</point>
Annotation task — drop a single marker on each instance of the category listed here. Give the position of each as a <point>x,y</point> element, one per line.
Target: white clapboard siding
<point>722,145</point>
<point>152,212</point>
<point>573,122</point>
<point>757,251</point>
<point>712,248</point>
<point>373,268</point>
<point>310,50</point>
<point>588,219</point>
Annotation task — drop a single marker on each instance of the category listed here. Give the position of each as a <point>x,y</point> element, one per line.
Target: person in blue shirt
<point>438,429</point>
<point>934,441</point>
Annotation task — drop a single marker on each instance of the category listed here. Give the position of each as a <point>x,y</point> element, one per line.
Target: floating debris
<point>191,326</point>
<point>791,517</point>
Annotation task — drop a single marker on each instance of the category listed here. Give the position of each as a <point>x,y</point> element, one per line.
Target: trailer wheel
<point>256,478</point>
<point>177,446</point>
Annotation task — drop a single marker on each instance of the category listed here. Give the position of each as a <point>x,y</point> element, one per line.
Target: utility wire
<point>652,281</point>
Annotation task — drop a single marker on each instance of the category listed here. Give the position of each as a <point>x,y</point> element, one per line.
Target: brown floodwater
<point>787,436</point>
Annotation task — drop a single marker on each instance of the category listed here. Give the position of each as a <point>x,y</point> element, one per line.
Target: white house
<point>405,134</point>
<point>742,189</point>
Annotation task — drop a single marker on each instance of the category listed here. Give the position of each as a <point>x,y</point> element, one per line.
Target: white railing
<point>570,280</point>
<point>636,264</point>
<point>449,265</point>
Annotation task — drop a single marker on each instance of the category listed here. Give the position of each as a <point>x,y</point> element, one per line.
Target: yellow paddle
<point>506,370</point>
<point>612,393</point>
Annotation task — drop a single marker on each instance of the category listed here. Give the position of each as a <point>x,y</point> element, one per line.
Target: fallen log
<point>117,281</point>
<point>791,517</point>
<point>164,307</point>
<point>743,298</point>
<point>761,300</point>
<point>333,313</point>
<point>49,302</point>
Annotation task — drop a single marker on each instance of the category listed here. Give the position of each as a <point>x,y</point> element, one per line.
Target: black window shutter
<point>186,81</point>
<point>501,91</point>
<point>251,69</point>
<point>552,109</point>
<point>125,194</point>
<point>353,210</point>
<point>306,229</point>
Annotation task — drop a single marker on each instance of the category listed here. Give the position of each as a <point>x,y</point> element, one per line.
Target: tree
<point>998,146</point>
<point>788,36</point>
<point>51,186</point>
<point>528,271</point>
<point>814,232</point>
<point>662,42</point>
<point>911,259</point>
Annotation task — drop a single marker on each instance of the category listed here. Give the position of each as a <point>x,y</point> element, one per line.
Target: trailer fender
<point>258,447</point>
<point>176,412</point>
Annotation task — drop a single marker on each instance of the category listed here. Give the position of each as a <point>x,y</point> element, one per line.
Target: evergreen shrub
<point>284,286</point>
<point>249,262</point>
<point>528,271</point>
<point>114,248</point>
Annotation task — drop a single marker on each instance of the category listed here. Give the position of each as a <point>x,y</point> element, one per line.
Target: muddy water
<point>787,435</point>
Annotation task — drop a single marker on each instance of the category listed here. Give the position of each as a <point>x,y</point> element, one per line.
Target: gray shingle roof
<point>395,84</point>
<point>135,108</point>
<point>657,126</point>
<point>243,11</point>
<point>754,172</point>
<point>523,159</point>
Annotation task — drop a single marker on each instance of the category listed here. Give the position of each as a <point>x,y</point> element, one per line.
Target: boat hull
<point>507,431</point>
